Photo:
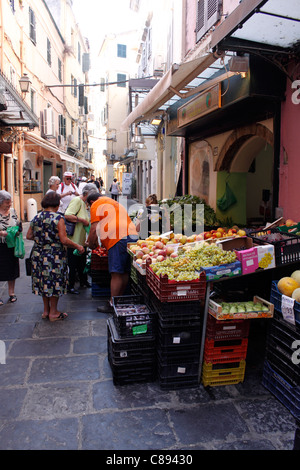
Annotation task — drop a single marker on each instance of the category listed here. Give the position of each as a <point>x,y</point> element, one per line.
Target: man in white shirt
<point>82,184</point>
<point>67,190</point>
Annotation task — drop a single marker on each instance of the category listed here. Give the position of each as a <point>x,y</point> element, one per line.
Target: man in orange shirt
<point>111,223</point>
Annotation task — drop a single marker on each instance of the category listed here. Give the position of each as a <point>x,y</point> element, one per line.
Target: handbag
<point>28,264</point>
<point>70,227</point>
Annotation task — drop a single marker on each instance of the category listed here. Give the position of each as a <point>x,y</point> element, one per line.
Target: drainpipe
<point>20,169</point>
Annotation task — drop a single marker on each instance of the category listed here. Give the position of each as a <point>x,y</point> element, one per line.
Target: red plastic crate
<point>219,329</point>
<point>99,263</point>
<point>176,291</point>
<point>225,351</point>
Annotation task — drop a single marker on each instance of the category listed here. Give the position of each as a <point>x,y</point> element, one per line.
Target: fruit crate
<point>99,263</point>
<point>172,314</point>
<point>287,249</point>
<point>283,333</point>
<point>287,394</point>
<point>176,291</point>
<point>223,374</point>
<point>132,316</point>
<point>129,350</point>
<point>177,367</point>
<point>225,351</point>
<point>276,299</point>
<point>282,361</point>
<point>219,329</point>
<point>215,309</point>
<point>292,229</point>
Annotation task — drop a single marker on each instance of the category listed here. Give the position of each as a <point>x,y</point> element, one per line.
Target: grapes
<point>186,265</point>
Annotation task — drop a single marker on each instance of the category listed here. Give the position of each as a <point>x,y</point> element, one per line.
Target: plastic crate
<point>102,278</point>
<point>100,291</point>
<point>286,393</point>
<point>222,351</point>
<point>283,334</point>
<point>276,298</point>
<point>286,251</point>
<point>172,367</point>
<point>129,350</point>
<point>176,383</point>
<point>223,374</point>
<point>218,329</point>
<point>179,336</point>
<point>132,316</point>
<point>99,263</point>
<point>281,360</point>
<point>176,291</point>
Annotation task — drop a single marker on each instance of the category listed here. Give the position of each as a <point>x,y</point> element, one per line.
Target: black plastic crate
<point>283,333</point>
<point>124,375</point>
<point>180,310</point>
<point>179,336</point>
<point>129,350</point>
<point>282,363</point>
<point>133,316</point>
<point>286,393</point>
<point>102,278</point>
<point>276,298</point>
<point>286,250</point>
<point>177,367</point>
<point>176,383</point>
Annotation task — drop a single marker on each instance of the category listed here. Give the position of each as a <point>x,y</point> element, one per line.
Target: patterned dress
<point>49,261</point>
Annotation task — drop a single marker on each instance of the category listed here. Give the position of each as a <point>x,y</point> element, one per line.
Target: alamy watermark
<point>296,94</point>
<point>296,354</point>
<point>2,353</point>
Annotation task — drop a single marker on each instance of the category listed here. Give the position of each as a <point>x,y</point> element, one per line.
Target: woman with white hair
<point>53,183</point>
<point>9,264</point>
<point>77,212</point>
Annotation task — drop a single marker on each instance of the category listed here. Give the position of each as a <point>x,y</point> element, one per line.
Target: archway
<point>249,157</point>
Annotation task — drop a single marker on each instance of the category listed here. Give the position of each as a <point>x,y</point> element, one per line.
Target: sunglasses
<point>68,178</point>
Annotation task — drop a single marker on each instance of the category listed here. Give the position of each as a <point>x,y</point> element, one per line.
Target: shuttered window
<point>32,26</point>
<point>208,13</point>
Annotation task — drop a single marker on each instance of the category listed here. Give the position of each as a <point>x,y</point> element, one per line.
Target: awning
<point>260,25</point>
<point>14,111</point>
<point>6,147</point>
<point>175,80</point>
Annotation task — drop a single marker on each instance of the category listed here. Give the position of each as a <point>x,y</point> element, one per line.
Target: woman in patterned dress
<point>49,257</point>
<point>9,264</point>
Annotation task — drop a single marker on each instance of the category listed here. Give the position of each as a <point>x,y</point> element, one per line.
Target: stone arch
<point>237,139</point>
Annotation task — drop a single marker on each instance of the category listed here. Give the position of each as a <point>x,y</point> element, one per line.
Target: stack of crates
<point>99,273</point>
<point>131,341</point>
<point>225,351</point>
<point>281,367</point>
<point>179,329</point>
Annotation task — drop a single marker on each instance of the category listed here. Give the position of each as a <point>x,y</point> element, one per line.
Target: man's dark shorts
<point>118,257</point>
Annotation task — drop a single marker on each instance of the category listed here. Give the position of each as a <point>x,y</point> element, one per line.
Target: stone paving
<point>57,391</point>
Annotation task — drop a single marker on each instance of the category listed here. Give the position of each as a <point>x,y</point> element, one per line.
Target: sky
<point>99,17</point>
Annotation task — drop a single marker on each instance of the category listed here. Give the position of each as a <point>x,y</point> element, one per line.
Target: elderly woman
<point>53,183</point>
<point>9,264</point>
<point>77,212</point>
<point>49,260</point>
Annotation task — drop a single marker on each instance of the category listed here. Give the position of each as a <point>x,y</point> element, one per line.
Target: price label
<point>287,309</point>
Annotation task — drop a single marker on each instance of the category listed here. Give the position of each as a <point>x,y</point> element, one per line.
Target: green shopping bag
<point>11,236</point>
<point>19,247</point>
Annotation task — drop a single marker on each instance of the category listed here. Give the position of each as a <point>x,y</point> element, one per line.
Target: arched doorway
<point>248,157</point>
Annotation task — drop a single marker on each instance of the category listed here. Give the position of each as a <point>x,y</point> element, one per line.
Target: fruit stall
<point>181,323</point>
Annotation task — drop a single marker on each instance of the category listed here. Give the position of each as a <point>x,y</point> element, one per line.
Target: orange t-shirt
<point>115,222</point>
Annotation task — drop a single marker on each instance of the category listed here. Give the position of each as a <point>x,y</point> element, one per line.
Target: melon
<point>296,275</point>
<point>287,285</point>
<point>296,294</point>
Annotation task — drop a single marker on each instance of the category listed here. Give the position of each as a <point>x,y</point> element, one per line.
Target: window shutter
<point>85,62</point>
<point>208,13</point>
<point>81,95</point>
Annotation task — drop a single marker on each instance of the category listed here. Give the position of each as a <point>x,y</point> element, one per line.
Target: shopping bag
<point>19,251</point>
<point>11,236</point>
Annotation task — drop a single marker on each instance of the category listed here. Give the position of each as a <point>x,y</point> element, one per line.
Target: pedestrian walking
<point>77,213</point>
<point>115,189</point>
<point>9,264</point>
<point>67,190</point>
<point>112,224</point>
<point>49,259</point>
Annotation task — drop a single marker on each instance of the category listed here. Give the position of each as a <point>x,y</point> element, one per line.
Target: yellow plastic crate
<point>223,374</point>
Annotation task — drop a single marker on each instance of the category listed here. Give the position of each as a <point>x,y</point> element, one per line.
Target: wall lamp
<point>25,83</point>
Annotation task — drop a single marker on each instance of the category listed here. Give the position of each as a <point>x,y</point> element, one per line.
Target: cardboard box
<point>224,270</point>
<point>215,309</point>
<point>256,258</point>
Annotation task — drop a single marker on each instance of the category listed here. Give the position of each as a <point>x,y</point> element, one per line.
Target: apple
<point>160,258</point>
<point>242,233</point>
<point>159,245</point>
<point>145,250</point>
<point>169,250</point>
<point>162,253</point>
<point>139,261</point>
<point>140,254</point>
<point>199,237</point>
<point>173,255</point>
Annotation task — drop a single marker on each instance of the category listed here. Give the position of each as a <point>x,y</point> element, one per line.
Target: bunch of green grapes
<point>187,265</point>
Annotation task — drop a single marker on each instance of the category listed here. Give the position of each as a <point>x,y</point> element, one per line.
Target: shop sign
<point>126,183</point>
<point>205,103</point>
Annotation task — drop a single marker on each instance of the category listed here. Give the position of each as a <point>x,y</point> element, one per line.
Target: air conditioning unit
<point>60,139</point>
<point>48,117</point>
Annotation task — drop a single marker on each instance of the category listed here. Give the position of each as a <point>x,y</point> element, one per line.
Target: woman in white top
<point>115,189</point>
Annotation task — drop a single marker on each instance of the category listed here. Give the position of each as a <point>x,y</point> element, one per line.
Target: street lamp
<point>25,83</point>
